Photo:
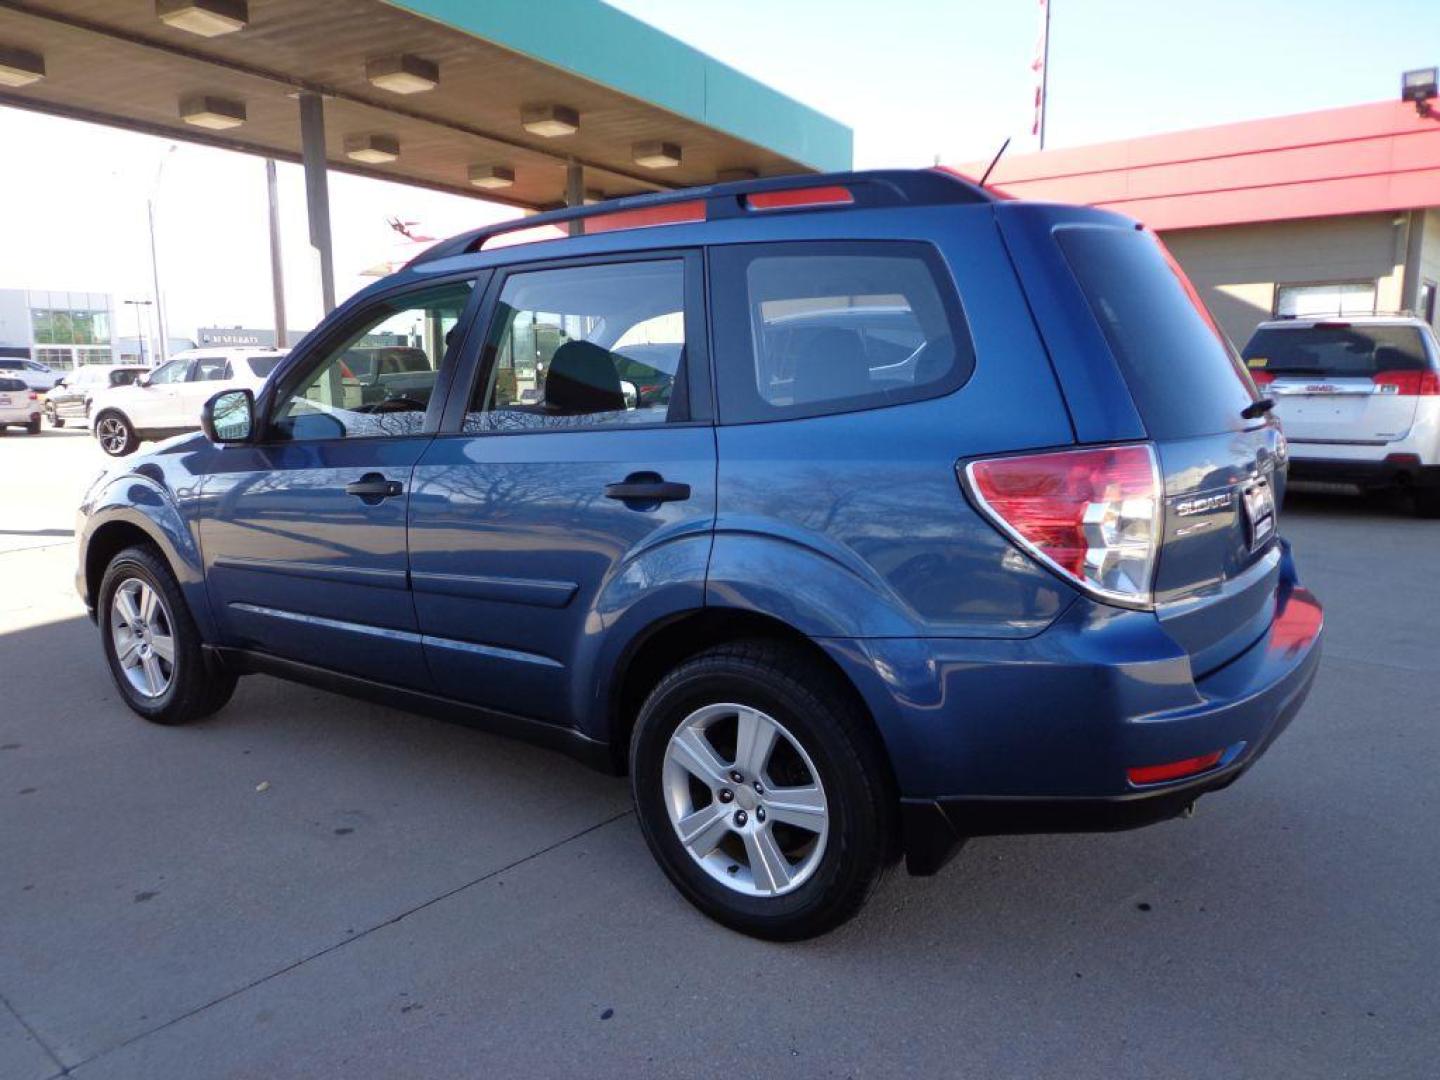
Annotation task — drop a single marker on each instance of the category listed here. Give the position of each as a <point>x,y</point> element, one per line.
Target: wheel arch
<point>664,644</point>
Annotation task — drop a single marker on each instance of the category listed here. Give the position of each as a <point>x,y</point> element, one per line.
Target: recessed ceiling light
<point>732,176</point>
<point>19,67</point>
<point>372,149</point>
<point>550,121</point>
<point>215,113</point>
<point>492,176</point>
<point>655,155</point>
<point>208,18</point>
<point>403,73</point>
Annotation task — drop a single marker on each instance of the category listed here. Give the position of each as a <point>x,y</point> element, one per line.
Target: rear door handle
<point>647,488</point>
<point>374,488</point>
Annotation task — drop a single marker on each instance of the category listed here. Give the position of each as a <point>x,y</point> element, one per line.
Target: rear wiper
<point>1257,408</point>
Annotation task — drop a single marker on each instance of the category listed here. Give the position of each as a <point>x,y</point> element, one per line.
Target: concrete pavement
<point>408,898</point>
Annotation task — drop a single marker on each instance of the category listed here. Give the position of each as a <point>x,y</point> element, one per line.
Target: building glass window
<point>1325,298</point>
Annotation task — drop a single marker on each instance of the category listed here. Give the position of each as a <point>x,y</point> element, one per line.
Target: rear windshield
<point>1336,350</point>
<point>12,384</point>
<point>1182,372</point>
<point>262,365</point>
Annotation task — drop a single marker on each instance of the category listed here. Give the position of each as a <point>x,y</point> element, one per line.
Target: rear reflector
<point>811,196</point>
<point>1092,515</point>
<point>1408,383</point>
<point>1175,770</point>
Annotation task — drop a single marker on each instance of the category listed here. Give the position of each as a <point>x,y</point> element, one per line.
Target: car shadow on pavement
<point>37,532</point>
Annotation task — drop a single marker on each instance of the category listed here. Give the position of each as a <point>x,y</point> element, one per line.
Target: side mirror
<point>229,417</point>
<point>143,379</point>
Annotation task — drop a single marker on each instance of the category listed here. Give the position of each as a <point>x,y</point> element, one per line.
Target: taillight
<point>34,396</point>
<point>1408,383</point>
<point>1262,378</point>
<point>1092,515</point>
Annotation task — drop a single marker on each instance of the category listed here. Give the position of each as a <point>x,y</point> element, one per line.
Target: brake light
<point>1174,770</point>
<point>1262,378</point>
<point>1408,383</point>
<point>1092,515</point>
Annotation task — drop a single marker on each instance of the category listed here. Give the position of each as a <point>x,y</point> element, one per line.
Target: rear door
<point>1219,560</point>
<point>551,506</point>
<point>1341,382</point>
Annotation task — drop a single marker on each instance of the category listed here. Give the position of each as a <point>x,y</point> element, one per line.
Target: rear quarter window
<point>1184,375</point>
<point>808,329</point>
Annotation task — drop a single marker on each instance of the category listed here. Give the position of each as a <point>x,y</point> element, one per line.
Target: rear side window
<point>261,366</point>
<point>1336,350</point>
<point>808,329</point>
<point>1182,372</point>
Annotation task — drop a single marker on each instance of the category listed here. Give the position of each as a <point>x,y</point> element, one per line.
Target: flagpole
<point>1045,75</point>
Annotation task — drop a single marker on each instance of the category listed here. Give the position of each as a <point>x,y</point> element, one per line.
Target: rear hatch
<point>1219,556</point>
<point>1338,381</point>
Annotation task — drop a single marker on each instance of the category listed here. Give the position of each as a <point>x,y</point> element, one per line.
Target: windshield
<point>1337,350</point>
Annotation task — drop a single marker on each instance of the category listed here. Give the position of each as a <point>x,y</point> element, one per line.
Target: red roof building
<point>1323,212</point>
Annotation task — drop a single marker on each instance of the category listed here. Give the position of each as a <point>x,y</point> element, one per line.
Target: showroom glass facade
<point>70,329</point>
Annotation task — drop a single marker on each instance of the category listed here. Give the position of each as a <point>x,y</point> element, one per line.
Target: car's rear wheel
<point>115,434</point>
<point>762,790</point>
<point>152,644</point>
<point>33,427</point>
<point>1427,502</point>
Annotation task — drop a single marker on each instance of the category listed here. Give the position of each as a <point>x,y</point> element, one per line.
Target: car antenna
<point>995,160</point>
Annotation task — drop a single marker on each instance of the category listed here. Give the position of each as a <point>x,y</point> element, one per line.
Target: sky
<point>915,79</point>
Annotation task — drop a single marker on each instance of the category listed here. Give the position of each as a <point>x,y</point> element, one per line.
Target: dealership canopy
<point>517,100</point>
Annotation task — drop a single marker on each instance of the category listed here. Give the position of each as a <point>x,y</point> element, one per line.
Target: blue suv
<point>851,516</point>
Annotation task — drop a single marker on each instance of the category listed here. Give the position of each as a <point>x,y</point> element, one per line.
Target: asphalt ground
<point>406,898</point>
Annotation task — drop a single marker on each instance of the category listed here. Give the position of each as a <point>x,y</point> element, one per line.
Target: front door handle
<point>372,488</point>
<point>643,488</point>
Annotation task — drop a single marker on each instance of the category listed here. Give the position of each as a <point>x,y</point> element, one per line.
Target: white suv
<point>1358,398</point>
<point>37,376</point>
<point>167,401</point>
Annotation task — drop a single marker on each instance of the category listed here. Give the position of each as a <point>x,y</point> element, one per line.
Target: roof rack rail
<point>1402,313</point>
<point>874,188</point>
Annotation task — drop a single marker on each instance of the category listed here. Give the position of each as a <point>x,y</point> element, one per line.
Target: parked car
<point>166,401</point>
<point>19,405</point>
<point>824,607</point>
<point>1359,399</point>
<point>70,398</point>
<point>32,373</point>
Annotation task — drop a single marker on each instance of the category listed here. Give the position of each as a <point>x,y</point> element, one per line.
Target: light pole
<point>139,333</point>
<point>164,349</point>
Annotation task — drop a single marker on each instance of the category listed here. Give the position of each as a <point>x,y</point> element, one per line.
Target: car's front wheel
<point>762,790</point>
<point>115,434</point>
<point>152,644</point>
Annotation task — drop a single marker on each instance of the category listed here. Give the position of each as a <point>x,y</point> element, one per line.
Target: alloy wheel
<point>745,800</point>
<point>112,433</point>
<point>142,632</point>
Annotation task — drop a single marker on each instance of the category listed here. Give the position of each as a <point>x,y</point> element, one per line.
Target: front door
<point>303,532</point>
<point>575,480</point>
<point>155,405</point>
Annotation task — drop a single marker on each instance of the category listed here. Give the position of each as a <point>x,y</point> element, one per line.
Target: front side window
<point>173,372</point>
<point>585,346</point>
<point>809,329</point>
<point>341,394</point>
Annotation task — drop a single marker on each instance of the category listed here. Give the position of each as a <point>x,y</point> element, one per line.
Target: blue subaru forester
<point>852,516</point>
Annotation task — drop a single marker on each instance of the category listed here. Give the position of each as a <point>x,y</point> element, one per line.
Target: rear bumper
<point>1039,736</point>
<point>1390,472</point>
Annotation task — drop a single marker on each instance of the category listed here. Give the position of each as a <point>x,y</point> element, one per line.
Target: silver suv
<point>1358,398</point>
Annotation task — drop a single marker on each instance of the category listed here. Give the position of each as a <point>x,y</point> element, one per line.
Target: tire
<point>185,688</point>
<point>1427,502</point>
<point>820,734</point>
<point>115,433</point>
<point>33,427</point>
<point>53,415</point>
